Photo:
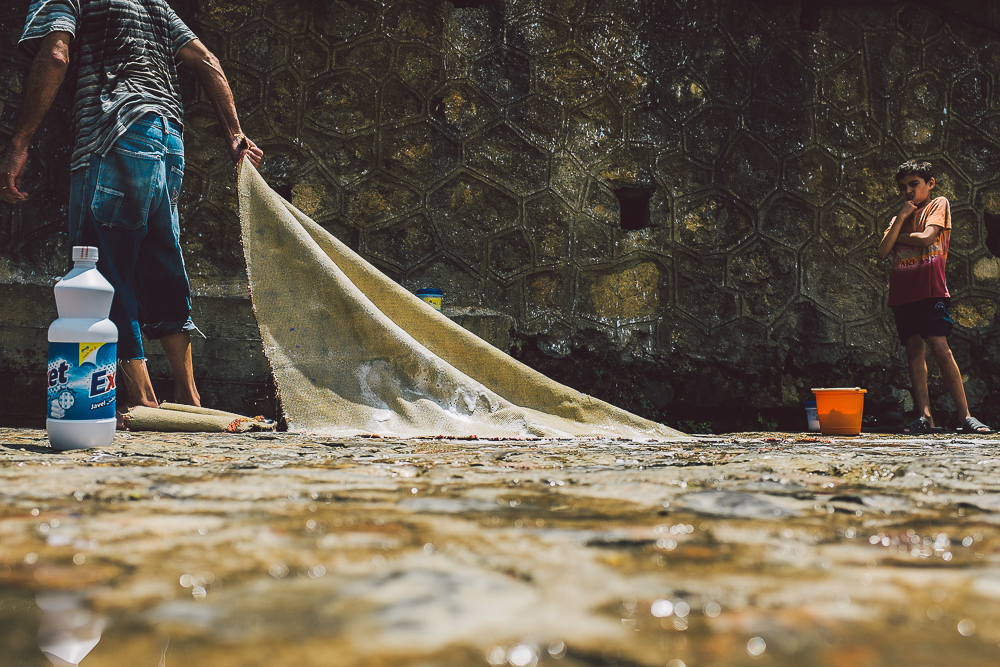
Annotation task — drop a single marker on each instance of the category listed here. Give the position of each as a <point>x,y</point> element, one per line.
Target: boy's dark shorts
<point>927,317</point>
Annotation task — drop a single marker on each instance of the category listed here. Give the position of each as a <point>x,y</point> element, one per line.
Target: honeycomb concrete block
<point>549,224</point>
<point>568,77</point>
<point>399,103</point>
<point>419,67</point>
<point>846,294</point>
<point>550,293</point>
<point>783,78</point>
<point>503,74</point>
<point>766,277</point>
<point>710,223</point>
<point>404,245</point>
<point>814,174</point>
<point>501,155</point>
<point>784,128</point>
<point>539,33</point>
<point>678,93</point>
<point>510,254</point>
<point>316,195</point>
<point>310,56</point>
<point>917,113</point>
<point>371,56</point>
<point>597,129</point>
<point>707,134</point>
<point>340,21</point>
<point>717,64</point>
<point>419,152</point>
<point>749,170</point>
<point>379,199</point>
<point>344,103</point>
<point>471,30</point>
<point>592,240</point>
<point>958,276</point>
<point>462,285</point>
<point>462,110</point>
<point>346,160</point>
<point>466,211</point>
<point>629,294</point>
<point>844,86</point>
<point>702,293</point>
<point>844,226</point>
<point>970,95</point>
<point>967,231</point>
<point>538,119</point>
<point>975,313</point>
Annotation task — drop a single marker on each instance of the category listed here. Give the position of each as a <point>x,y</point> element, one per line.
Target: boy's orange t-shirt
<point>918,273</point>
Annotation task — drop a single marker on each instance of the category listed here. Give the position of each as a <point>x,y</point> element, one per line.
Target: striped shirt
<point>123,59</point>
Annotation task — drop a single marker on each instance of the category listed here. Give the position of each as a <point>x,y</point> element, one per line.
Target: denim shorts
<point>125,204</point>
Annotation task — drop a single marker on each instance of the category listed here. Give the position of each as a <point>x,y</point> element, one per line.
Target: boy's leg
<point>950,374</point>
<point>916,358</point>
<point>177,347</point>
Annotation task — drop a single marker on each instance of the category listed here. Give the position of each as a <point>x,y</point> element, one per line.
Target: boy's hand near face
<point>892,234</point>
<point>906,211</point>
<point>913,190</point>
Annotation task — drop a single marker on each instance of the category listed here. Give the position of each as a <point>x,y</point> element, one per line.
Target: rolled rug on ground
<point>171,417</point>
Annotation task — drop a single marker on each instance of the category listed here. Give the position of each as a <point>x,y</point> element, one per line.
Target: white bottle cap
<point>84,253</point>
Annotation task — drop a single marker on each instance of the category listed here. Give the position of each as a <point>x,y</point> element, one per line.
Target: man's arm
<point>195,55</point>
<point>48,69</point>
<point>892,234</point>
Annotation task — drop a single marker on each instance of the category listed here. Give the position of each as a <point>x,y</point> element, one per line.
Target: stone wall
<point>673,205</point>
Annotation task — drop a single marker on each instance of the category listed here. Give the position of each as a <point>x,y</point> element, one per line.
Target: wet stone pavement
<point>296,549</point>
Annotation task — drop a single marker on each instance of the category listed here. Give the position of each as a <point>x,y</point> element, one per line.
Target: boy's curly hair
<point>922,169</point>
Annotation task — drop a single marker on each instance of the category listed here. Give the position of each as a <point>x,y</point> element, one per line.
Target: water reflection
<point>734,554</point>
<point>68,631</point>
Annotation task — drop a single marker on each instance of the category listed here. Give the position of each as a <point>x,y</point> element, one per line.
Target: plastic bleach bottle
<point>83,358</point>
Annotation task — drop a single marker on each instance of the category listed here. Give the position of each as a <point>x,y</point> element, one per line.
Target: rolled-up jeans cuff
<point>161,329</point>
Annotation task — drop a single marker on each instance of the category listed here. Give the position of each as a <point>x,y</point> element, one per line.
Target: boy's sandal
<point>919,425</point>
<point>973,425</point>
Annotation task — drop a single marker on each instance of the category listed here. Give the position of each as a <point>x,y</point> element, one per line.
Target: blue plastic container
<point>432,296</point>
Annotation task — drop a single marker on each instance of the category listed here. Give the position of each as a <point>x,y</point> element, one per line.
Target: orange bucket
<point>840,410</point>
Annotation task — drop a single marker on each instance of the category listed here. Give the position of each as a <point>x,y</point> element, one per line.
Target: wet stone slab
<point>292,549</point>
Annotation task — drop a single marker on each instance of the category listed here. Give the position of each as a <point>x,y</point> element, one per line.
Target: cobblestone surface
<point>293,549</point>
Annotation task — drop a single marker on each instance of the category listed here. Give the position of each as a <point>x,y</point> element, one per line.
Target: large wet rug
<point>353,352</point>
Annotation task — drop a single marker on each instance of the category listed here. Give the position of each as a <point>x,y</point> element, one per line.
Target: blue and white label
<point>81,380</point>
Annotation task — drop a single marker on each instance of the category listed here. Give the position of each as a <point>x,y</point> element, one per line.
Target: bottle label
<point>81,380</point>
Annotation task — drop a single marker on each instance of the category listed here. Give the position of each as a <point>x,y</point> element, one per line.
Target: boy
<point>918,240</point>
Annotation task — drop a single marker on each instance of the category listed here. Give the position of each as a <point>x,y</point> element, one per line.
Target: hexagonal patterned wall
<point>488,149</point>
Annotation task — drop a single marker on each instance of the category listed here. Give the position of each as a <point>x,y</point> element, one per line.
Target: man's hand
<point>48,69</point>
<point>240,146</point>
<point>12,166</point>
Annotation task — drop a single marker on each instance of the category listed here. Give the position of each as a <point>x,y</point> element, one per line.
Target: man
<point>128,160</point>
